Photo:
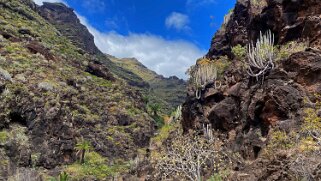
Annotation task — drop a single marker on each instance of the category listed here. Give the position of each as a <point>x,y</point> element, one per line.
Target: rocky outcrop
<point>244,111</point>
<point>279,97</point>
<point>67,22</point>
<point>233,32</point>
<point>52,96</point>
<point>35,47</point>
<point>310,68</point>
<point>99,70</point>
<point>288,20</point>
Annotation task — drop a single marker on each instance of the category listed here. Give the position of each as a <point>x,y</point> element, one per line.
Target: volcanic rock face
<point>69,25</point>
<point>52,95</point>
<point>244,110</point>
<point>282,89</point>
<point>289,20</point>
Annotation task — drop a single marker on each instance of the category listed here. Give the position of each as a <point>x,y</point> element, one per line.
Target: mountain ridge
<point>163,89</point>
<point>69,111</point>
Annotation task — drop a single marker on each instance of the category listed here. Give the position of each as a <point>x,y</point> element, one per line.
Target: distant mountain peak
<point>66,21</point>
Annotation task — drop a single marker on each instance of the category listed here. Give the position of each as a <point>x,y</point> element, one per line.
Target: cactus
<point>208,132</point>
<point>178,113</point>
<point>202,76</point>
<point>261,56</point>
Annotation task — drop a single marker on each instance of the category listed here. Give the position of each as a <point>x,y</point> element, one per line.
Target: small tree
<point>261,56</point>
<point>188,158</point>
<point>155,108</point>
<point>82,147</point>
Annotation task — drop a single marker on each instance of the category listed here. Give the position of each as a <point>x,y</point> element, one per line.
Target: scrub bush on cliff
<point>190,158</point>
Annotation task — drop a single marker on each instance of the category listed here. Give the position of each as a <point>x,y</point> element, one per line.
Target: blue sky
<point>165,35</point>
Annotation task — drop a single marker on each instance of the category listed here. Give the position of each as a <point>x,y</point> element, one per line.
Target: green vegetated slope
<point>53,94</point>
<point>168,92</point>
<point>68,24</point>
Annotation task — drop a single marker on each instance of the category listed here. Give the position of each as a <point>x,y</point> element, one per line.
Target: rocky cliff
<point>57,101</point>
<point>259,120</point>
<point>289,20</point>
<point>67,22</point>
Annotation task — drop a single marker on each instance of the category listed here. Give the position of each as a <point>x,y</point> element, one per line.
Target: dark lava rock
<point>35,47</point>
<point>225,114</point>
<point>244,111</point>
<point>67,22</point>
<point>99,70</point>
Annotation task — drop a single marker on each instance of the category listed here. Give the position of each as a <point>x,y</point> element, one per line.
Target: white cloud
<point>40,2</point>
<point>198,3</point>
<point>166,57</point>
<point>177,21</point>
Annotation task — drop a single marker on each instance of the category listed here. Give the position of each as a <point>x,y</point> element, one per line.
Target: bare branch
<point>187,158</point>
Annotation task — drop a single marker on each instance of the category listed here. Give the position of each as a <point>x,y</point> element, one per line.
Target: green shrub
<point>221,176</point>
<point>221,63</point>
<point>288,49</point>
<point>215,177</point>
<point>163,133</point>
<point>312,122</point>
<point>311,128</point>
<point>239,52</point>
<point>177,114</point>
<point>308,144</point>
<point>95,167</point>
<point>3,137</point>
<point>146,99</point>
<point>280,140</point>
<point>62,177</point>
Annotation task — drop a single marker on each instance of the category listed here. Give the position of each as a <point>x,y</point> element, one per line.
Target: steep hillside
<point>68,24</point>
<point>169,92</point>
<point>253,110</point>
<point>57,100</point>
<point>267,118</point>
